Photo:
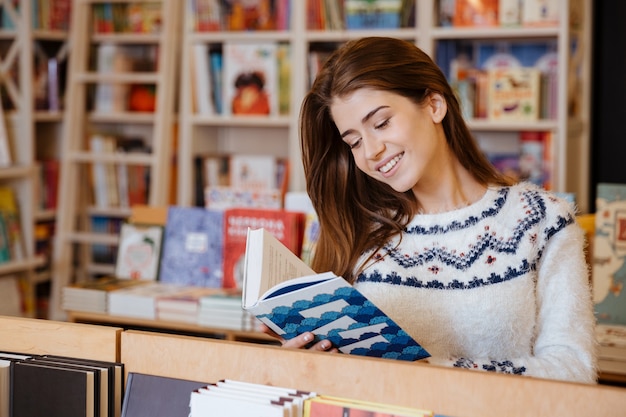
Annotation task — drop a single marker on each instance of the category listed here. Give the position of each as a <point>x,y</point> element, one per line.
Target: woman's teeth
<point>387,167</point>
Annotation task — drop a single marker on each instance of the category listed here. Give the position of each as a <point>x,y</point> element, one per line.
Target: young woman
<point>484,273</point>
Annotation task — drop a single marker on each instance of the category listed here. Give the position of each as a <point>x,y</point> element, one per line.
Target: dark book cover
<point>115,380</point>
<point>157,396</point>
<point>53,391</point>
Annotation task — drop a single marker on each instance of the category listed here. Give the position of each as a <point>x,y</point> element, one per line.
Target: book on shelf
<point>368,14</point>
<point>152,395</point>
<point>216,62</point>
<point>201,86</point>
<point>283,56</point>
<point>250,15</point>
<point>510,12</point>
<point>241,180</point>
<point>103,175</point>
<point>531,159</point>
<point>103,252</point>
<point>138,17</point>
<point>250,78</point>
<point>193,247</point>
<point>514,94</point>
<point>5,148</point>
<point>111,97</point>
<point>286,226</point>
<point>333,406</point>
<point>139,251</point>
<point>478,13</point>
<point>290,298</point>
<point>609,254</point>
<point>206,15</point>
<point>541,12</point>
<point>10,214</point>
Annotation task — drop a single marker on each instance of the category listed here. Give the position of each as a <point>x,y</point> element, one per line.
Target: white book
<point>205,402</point>
<point>201,74</point>
<point>5,150</point>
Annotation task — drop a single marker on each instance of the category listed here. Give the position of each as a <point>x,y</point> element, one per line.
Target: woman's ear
<point>438,107</point>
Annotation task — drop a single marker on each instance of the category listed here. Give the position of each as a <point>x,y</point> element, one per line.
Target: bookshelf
<point>122,78</point>
<point>32,114</point>
<point>447,391</point>
<point>569,148</point>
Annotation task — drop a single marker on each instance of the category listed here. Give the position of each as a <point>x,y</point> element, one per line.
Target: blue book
<point>288,297</point>
<point>193,247</point>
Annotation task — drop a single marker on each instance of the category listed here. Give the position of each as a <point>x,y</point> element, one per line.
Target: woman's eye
<point>383,124</point>
<point>355,143</point>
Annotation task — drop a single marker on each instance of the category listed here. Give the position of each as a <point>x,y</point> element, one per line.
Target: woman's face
<point>392,139</point>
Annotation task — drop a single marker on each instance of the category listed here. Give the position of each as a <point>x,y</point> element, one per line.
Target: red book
<point>286,226</point>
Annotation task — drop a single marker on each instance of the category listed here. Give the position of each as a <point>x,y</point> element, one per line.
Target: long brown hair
<point>357,212</point>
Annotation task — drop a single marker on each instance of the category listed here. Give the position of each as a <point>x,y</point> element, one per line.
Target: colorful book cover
<point>250,78</point>
<point>192,248</point>
<point>609,254</point>
<point>476,13</point>
<point>290,303</point>
<point>368,14</point>
<point>139,252</point>
<point>514,94</point>
<point>286,226</point>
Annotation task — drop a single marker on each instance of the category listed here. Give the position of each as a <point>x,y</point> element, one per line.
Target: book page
<point>268,262</point>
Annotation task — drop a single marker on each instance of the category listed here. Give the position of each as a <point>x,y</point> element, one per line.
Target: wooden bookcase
<point>279,135</point>
<point>76,237</point>
<point>447,391</point>
<point>34,132</point>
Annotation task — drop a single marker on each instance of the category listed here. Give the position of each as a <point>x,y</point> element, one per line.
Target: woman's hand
<point>301,341</point>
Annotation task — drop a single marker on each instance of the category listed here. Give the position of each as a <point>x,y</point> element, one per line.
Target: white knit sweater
<point>500,285</point>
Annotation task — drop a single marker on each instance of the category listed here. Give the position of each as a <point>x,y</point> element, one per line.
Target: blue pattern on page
<point>350,321</point>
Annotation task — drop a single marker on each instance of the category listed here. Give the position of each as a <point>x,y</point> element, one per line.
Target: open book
<point>290,298</point>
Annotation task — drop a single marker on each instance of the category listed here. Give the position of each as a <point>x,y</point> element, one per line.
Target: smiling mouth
<point>389,165</point>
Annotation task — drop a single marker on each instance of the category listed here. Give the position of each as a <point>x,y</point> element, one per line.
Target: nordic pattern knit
<point>501,285</point>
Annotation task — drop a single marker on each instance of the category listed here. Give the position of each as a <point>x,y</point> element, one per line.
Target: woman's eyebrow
<point>364,119</point>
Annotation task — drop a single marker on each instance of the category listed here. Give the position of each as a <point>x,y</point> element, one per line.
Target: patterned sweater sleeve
<point>564,347</point>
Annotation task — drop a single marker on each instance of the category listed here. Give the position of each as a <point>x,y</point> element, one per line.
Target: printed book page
<point>268,263</point>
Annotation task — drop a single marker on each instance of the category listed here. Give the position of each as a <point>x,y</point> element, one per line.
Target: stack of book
<point>92,296</point>
<point>224,311</point>
<point>612,348</point>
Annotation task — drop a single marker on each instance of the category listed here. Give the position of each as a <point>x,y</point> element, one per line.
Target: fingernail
<point>325,345</point>
<point>307,337</point>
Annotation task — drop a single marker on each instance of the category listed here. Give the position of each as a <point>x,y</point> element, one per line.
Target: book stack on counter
<point>224,311</point>
<point>92,296</point>
<point>611,348</point>
<point>141,301</point>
